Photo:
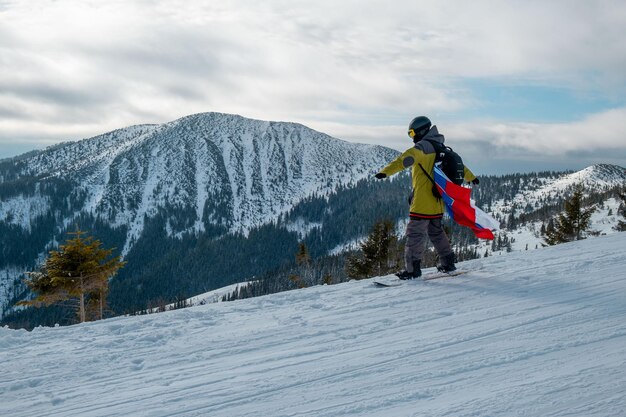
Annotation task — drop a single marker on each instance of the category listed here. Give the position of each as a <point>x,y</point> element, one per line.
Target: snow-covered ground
<point>539,333</point>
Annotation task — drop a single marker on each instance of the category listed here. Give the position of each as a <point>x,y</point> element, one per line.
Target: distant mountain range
<point>212,199</point>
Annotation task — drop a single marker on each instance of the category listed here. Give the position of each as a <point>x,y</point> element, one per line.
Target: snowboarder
<point>426,209</point>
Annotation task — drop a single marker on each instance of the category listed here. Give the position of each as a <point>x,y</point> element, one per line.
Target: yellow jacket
<point>424,204</point>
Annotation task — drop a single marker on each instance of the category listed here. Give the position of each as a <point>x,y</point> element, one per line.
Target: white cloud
<point>83,67</point>
<point>491,147</point>
<point>596,132</point>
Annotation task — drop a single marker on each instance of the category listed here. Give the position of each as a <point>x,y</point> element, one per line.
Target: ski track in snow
<point>539,333</point>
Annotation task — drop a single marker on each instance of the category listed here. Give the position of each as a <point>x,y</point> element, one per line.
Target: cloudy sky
<point>514,85</point>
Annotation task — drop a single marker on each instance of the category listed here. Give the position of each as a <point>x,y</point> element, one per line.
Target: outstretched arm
<point>405,160</point>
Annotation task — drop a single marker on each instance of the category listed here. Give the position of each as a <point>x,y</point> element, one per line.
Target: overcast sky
<point>514,85</point>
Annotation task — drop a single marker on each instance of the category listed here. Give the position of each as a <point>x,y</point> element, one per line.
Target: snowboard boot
<point>447,264</point>
<point>417,272</point>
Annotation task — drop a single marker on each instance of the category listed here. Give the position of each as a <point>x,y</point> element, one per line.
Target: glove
<point>380,176</point>
<point>475,181</point>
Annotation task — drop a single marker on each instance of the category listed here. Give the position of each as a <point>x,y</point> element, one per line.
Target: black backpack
<point>451,165</point>
<point>451,162</point>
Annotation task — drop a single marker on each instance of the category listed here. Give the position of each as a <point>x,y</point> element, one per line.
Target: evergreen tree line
<point>380,253</point>
<point>505,187</point>
<point>267,254</point>
<point>302,272</point>
<point>161,268</point>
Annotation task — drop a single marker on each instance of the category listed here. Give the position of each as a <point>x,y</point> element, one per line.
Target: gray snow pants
<point>416,233</point>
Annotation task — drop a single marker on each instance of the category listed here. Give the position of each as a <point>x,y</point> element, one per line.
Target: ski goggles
<point>411,133</point>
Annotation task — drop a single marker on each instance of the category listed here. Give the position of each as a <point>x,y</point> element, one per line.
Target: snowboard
<point>392,281</point>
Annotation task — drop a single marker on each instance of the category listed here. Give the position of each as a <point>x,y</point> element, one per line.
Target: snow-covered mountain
<point>529,199</point>
<point>205,175</point>
<point>538,191</point>
<point>539,334</point>
<point>223,170</point>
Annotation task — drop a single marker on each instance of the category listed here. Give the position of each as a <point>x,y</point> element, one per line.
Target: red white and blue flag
<point>462,209</point>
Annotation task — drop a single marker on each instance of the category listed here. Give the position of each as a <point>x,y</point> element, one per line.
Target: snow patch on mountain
<point>605,218</point>
<point>302,227</point>
<point>78,159</point>
<point>22,210</point>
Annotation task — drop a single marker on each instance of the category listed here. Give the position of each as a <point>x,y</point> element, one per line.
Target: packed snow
<point>539,333</point>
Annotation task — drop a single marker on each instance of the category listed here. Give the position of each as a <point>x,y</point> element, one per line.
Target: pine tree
<point>79,270</point>
<point>380,253</point>
<point>571,224</point>
<point>302,257</point>
<point>304,274</point>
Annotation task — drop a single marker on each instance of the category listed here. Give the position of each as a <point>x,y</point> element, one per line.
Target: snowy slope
<point>215,296</point>
<point>539,333</point>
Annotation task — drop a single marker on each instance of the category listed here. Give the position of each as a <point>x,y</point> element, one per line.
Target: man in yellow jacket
<point>426,210</point>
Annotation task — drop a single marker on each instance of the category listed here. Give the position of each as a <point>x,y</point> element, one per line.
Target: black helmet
<point>419,127</point>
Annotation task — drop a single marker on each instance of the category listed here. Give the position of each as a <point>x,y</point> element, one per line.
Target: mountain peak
<point>607,171</point>
<point>219,169</point>
<point>595,176</point>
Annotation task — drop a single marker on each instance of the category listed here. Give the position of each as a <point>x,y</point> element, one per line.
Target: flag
<point>462,209</point>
